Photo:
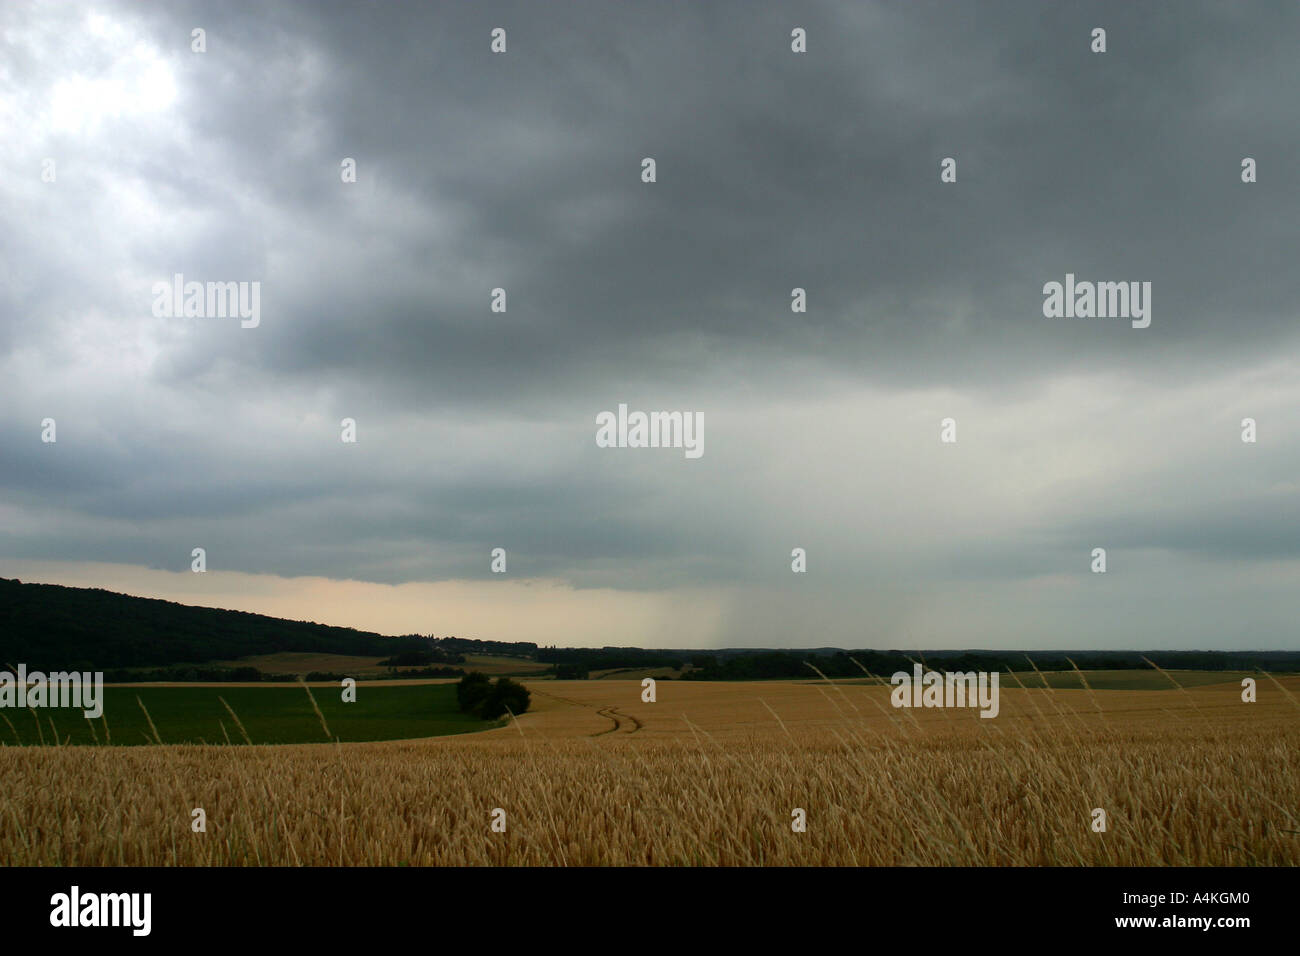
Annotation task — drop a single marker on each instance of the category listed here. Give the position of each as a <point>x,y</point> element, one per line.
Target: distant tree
<point>477,695</point>
<point>506,695</point>
<point>472,690</point>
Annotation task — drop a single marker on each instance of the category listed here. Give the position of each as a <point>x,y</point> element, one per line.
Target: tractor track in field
<point>609,712</point>
<point>618,717</point>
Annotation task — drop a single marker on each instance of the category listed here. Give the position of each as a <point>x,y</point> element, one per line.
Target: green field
<point>272,715</point>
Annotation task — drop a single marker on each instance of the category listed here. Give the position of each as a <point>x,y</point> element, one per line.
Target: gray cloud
<point>775,170</point>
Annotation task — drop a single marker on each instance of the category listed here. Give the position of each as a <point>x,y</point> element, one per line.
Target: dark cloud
<point>775,170</point>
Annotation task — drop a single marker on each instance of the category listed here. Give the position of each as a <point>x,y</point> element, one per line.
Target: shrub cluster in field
<point>479,696</point>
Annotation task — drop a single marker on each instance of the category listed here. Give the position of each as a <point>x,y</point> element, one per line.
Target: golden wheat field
<point>708,775</point>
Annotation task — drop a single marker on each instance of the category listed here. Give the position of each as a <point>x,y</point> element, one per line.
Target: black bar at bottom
<point>307,905</point>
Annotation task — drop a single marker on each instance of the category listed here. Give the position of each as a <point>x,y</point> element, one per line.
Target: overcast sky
<point>774,170</point>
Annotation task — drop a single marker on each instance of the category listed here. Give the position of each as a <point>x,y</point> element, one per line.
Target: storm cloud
<point>775,170</point>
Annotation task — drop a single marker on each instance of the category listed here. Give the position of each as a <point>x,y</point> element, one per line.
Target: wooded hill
<point>51,627</point>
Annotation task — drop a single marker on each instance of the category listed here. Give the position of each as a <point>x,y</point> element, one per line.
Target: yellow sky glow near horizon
<point>538,610</point>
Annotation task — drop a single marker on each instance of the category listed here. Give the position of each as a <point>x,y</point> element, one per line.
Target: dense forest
<point>47,626</point>
<point>461,645</point>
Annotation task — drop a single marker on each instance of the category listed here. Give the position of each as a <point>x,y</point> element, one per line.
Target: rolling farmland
<point>709,774</point>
